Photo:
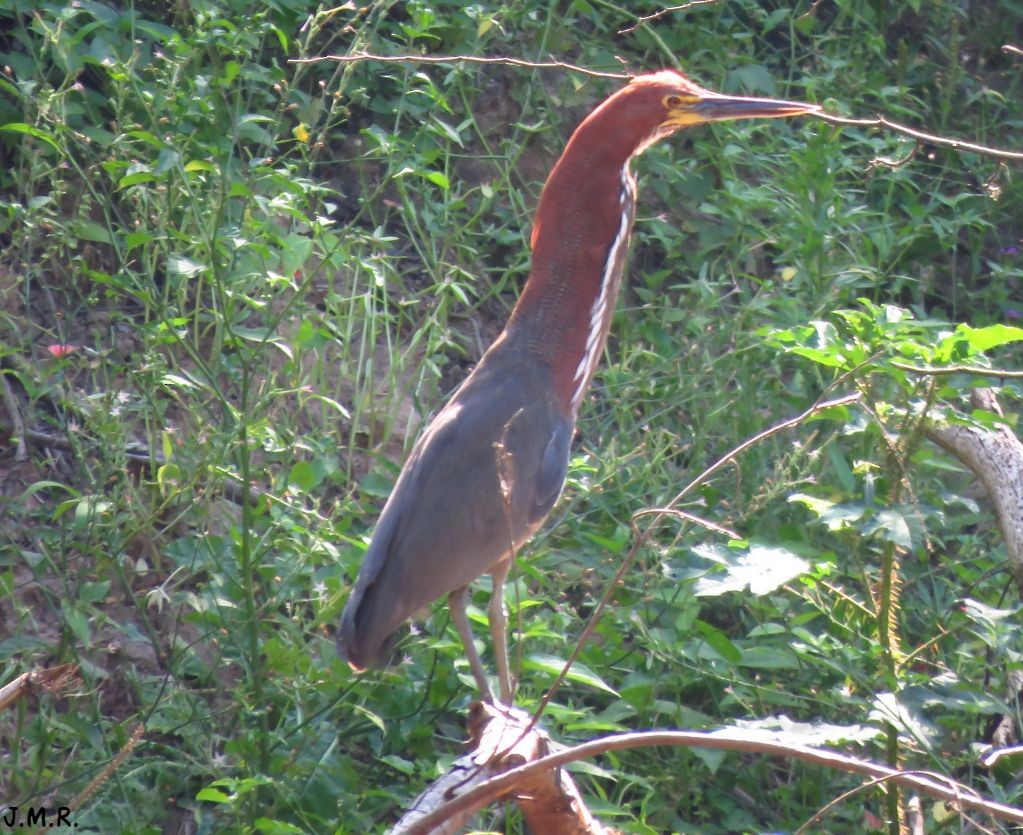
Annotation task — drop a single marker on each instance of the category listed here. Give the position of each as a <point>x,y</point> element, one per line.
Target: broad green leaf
<point>908,719</point>
<point>579,673</point>
<point>784,730</point>
<point>212,795</point>
<point>29,130</point>
<point>269,826</point>
<point>768,658</point>
<point>835,515</point>
<point>184,266</point>
<point>719,642</point>
<point>893,527</point>
<point>761,569</point>
<point>399,763</point>
<point>89,230</point>
<point>984,339</point>
<point>306,476</point>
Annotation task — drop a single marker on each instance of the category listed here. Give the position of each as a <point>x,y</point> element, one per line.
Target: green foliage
<point>235,285</point>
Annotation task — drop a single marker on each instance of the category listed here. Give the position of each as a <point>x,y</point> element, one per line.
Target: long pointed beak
<point>715,107</point>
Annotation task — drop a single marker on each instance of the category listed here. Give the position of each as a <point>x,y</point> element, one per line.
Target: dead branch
<point>136,737</point>
<point>920,136</point>
<point>877,122</point>
<point>996,458</point>
<point>944,370</point>
<point>49,680</point>
<point>548,799</point>
<point>957,795</point>
<point>355,57</point>
<point>662,12</point>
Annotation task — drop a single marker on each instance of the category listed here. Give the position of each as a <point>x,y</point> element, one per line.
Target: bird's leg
<point>499,630</point>
<point>456,605</point>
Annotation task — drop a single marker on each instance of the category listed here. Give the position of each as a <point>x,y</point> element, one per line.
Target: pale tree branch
<point>934,785</point>
<point>878,122</point>
<point>944,370</point>
<point>684,7</point>
<point>920,136</point>
<point>356,57</point>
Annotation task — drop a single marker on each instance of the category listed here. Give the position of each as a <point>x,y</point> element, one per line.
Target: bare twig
<point>878,122</point>
<point>957,369</point>
<point>659,14</point>
<point>49,679</point>
<point>934,785</point>
<point>454,59</point>
<point>948,142</point>
<point>689,517</point>
<point>1015,50</point>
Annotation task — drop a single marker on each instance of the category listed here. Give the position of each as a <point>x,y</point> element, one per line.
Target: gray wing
<point>446,522</point>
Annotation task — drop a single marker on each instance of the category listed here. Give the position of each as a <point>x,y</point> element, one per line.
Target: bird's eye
<point>673,101</point>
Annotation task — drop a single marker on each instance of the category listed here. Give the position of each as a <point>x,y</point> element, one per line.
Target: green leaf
<point>374,484</point>
<point>136,178</point>
<point>761,569</point>
<point>984,339</point>
<point>89,230</point>
<point>212,795</point>
<point>401,764</point>
<point>78,623</point>
<point>579,673</point>
<point>94,592</point>
<point>184,266</point>
<point>275,827</point>
<point>306,476</point>
<point>835,515</point>
<point>768,658</point>
<point>29,130</point>
<point>437,178</point>
<point>893,527</point>
<point>719,642</point>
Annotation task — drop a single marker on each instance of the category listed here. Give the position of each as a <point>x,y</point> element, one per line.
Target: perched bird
<point>486,472</point>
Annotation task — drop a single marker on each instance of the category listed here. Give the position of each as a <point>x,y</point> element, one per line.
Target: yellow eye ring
<point>673,101</point>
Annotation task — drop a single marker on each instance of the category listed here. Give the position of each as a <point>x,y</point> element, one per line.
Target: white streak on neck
<point>601,309</point>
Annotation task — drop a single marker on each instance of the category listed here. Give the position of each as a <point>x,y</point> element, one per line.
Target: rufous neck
<point>580,238</point>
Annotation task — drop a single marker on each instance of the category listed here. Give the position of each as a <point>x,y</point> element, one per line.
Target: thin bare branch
<point>879,122</point>
<point>940,370</point>
<point>659,14</point>
<point>934,785</point>
<point>355,57</point>
<point>49,679</point>
<point>689,517</point>
<point>1014,50</point>
<point>948,142</point>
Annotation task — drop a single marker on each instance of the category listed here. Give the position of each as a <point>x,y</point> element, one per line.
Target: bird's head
<point>652,106</point>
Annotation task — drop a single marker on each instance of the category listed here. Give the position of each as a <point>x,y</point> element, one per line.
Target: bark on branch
<point>996,457</point>
<point>487,774</point>
<point>504,739</point>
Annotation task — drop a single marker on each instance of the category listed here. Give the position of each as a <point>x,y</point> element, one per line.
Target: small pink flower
<point>61,350</point>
